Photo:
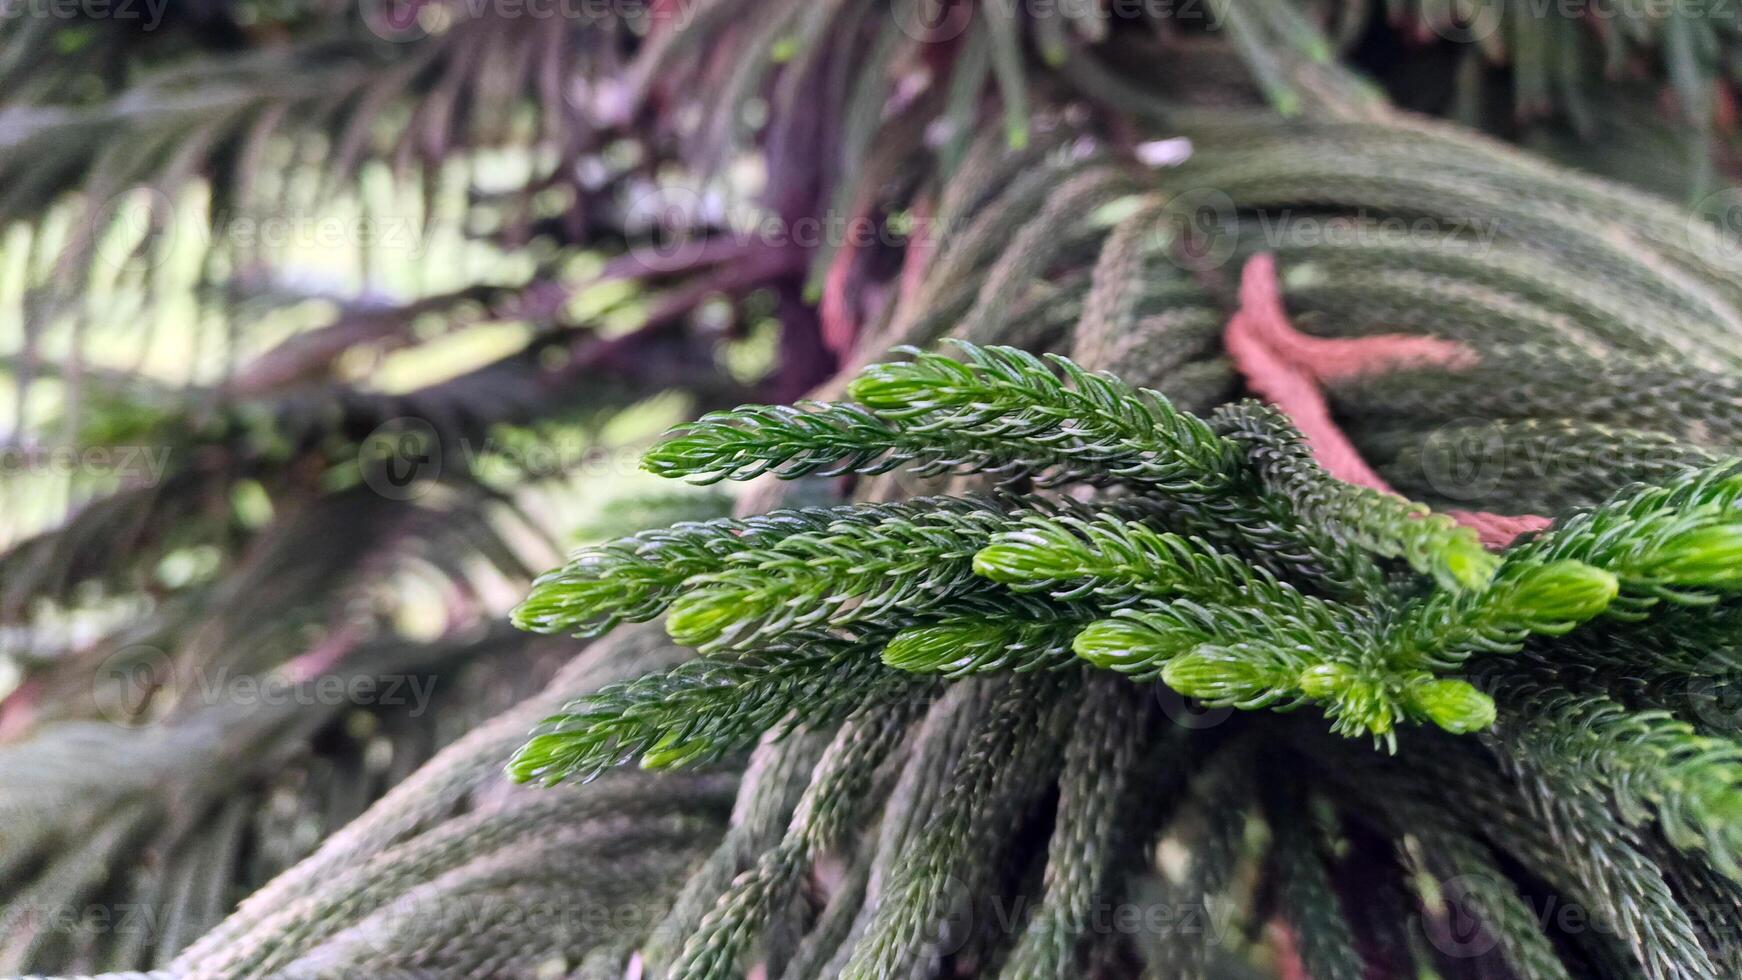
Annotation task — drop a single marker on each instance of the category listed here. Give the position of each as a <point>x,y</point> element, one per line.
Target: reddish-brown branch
<point>840,327</point>
<point>1287,949</point>
<point>1279,367</point>
<point>1287,368</point>
<point>1327,359</point>
<point>921,243</point>
<point>1498,530</point>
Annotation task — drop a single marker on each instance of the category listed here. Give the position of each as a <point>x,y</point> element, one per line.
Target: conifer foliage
<point>816,615</point>
<point>1269,503</point>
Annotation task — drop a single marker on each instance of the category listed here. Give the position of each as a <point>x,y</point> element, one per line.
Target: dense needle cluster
<point>1213,554</point>
<point>962,585</point>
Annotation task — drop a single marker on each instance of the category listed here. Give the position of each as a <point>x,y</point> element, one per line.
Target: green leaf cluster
<point>1129,536</point>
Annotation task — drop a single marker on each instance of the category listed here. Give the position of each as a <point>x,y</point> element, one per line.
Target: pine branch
<point>1279,652</point>
<point>814,439</point>
<point>1007,765</point>
<point>912,559</point>
<point>1007,414</point>
<point>1235,634</point>
<point>1309,903</point>
<point>841,788</point>
<point>1381,523</point>
<point>636,578</point>
<point>1012,398</point>
<point>1441,631</point>
<point>1103,767</point>
<point>703,710</point>
<point>1679,543</point>
<point>962,645</point>
<point>1649,761</point>
<point>1113,562</point>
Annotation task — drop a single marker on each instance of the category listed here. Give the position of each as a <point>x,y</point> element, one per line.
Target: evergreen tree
<point>1230,489</point>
